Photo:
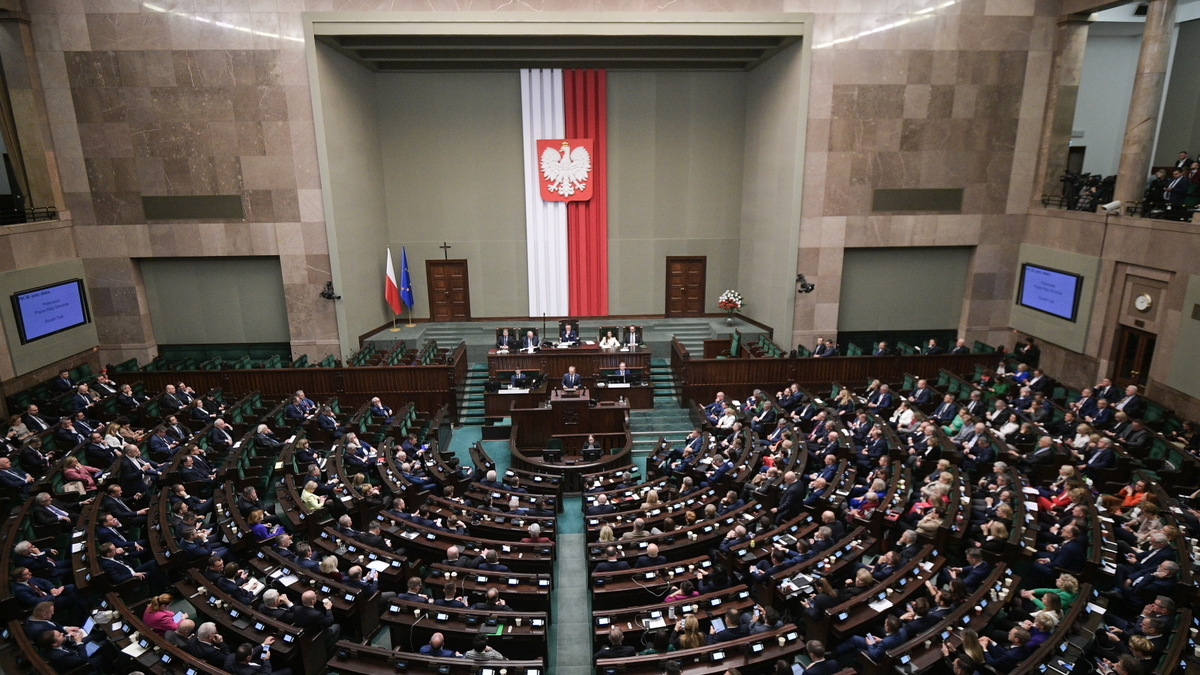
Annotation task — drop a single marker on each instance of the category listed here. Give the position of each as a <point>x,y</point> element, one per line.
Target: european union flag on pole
<point>405,281</point>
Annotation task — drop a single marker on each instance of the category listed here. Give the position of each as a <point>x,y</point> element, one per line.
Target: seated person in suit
<point>62,384</point>
<point>492,602</point>
<point>609,341</point>
<point>652,558</point>
<point>46,512</point>
<point>568,334</point>
<point>1004,658</point>
<point>436,647</point>
<point>294,410</point>
<point>632,338</point>
<point>571,380</point>
<point>378,409</point>
<point>623,372</point>
<point>610,563</point>
<point>505,341</point>
<point>530,341</point>
<point>601,507</point>
<point>819,665</point>
<point>36,422</point>
<point>14,479</point>
<point>25,554</point>
<point>491,562</point>
<point>615,649</point>
<point>64,655</point>
<point>452,599</point>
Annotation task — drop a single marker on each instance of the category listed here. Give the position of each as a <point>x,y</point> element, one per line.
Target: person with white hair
<point>265,439</point>
<point>276,605</point>
<point>535,536</point>
<point>209,646</point>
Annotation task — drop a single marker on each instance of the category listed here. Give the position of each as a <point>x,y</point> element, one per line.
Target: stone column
<point>1147,97</point>
<point>1060,104</point>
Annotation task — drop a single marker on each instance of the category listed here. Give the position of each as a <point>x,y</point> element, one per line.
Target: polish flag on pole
<point>391,291</point>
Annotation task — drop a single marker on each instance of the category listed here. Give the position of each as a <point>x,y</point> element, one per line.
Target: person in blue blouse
<point>259,529</point>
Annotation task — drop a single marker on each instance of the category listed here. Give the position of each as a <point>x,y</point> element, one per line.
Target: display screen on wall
<point>1051,291</point>
<point>47,310</point>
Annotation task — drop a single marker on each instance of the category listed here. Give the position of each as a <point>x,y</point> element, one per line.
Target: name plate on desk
<point>619,385</point>
<point>513,391</point>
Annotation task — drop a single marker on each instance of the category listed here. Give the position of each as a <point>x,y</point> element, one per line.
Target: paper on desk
<point>1031,506</point>
<point>289,579</point>
<point>378,565</point>
<point>1030,491</point>
<point>134,650</point>
<point>253,586</point>
<point>1093,607</point>
<point>881,605</point>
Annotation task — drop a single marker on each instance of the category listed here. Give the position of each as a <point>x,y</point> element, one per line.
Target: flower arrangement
<point>730,301</point>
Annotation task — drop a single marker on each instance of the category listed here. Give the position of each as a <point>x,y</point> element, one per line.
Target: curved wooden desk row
<point>746,652</point>
<point>638,619</point>
<point>351,657</point>
<point>678,543</point>
<point>412,624</point>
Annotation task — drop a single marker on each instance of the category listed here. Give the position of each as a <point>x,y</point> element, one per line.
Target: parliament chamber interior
<point>804,337</point>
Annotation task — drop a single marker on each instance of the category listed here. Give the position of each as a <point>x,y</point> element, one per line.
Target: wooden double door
<point>685,285</point>
<point>1135,351</point>
<point>449,290</point>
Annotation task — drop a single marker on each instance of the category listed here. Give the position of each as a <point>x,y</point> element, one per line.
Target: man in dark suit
<point>250,659</point>
<point>492,602</point>
<point>601,507</point>
<point>1103,457</point>
<point>115,504</point>
<point>1106,390</point>
<point>652,558</point>
<point>974,572</point>
<point>47,512</point>
<point>310,617</point>
<point>32,458</point>
<point>921,395</point>
<point>30,590</point>
<point>819,664</point>
<point>791,500</point>
<point>570,380</point>
<point>170,400</point>
<point>946,412</point>
<point>1069,555</point>
<point>36,422</point>
<point>882,350</point>
<point>1175,194</point>
<point>1003,658</point>
<point>1131,404</point>
<point>530,341</point>
<point>1029,353</point>
<point>764,422</point>
<point>1136,565</point>
<point>293,410</point>
<point>119,570</point>
<point>568,334</point>
<point>276,605</point>
<point>455,559</point>
<point>81,400</point>
<point>734,629</point>
<point>162,446</point>
<point>209,646</point>
<point>327,422</point>
<point>40,563</point>
<point>881,401</point>
<point>231,584</point>
<point>632,337</point>
<point>1085,405</point>
<point>64,655</point>
<point>14,479</point>
<point>610,562</point>
<point>62,384</point>
<point>1136,439</point>
<point>505,341</point>
<point>933,348</point>
<point>66,436</point>
<point>894,635</point>
<point>960,347</point>
<point>615,649</point>
<point>265,439</point>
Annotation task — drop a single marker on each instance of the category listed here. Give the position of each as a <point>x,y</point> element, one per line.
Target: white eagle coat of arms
<point>566,171</point>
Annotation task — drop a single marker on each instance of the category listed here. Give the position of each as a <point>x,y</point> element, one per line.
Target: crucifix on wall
<point>446,249</point>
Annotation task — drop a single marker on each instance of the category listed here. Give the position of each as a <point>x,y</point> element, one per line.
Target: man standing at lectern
<point>568,334</point>
<point>570,381</point>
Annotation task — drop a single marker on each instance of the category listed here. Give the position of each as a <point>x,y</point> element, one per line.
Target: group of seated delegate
<point>154,498</point>
<point>1033,538</point>
<point>568,335</point>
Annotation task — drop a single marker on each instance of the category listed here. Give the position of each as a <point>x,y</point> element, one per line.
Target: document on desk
<point>378,565</point>
<point>134,650</point>
<point>881,605</point>
<point>288,580</point>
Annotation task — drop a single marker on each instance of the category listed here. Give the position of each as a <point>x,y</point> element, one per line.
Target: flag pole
<point>393,329</point>
<point>410,323</point>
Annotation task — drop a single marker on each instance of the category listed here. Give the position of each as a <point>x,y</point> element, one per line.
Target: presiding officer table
<point>589,362</point>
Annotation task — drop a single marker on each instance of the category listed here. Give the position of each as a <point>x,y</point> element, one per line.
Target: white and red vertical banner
<point>545,221</point>
<point>563,116</point>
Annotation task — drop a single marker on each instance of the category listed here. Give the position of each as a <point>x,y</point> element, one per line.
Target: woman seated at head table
<point>609,341</point>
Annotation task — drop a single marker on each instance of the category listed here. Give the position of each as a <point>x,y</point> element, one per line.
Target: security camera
<point>1112,207</point>
<point>328,293</point>
<point>802,284</point>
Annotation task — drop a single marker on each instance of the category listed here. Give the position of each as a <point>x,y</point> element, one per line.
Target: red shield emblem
<point>565,169</point>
